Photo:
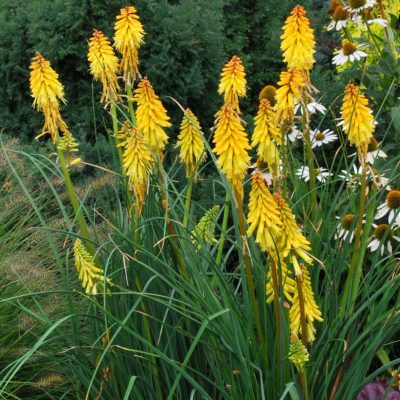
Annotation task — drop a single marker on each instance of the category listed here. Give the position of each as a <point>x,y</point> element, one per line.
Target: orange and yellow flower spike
<point>151,116</point>
<point>358,121</point>
<point>264,215</point>
<point>47,92</point>
<point>298,42</point>
<point>233,83</point>
<point>190,142</point>
<point>231,146</point>
<point>290,86</point>
<point>103,65</point>
<point>128,38</point>
<point>137,161</point>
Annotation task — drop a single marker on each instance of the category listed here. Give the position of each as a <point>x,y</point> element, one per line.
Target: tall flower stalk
<point>231,146</point>
<point>104,67</point>
<point>191,146</point>
<point>47,92</point>
<point>129,34</point>
<point>358,124</point>
<point>298,46</point>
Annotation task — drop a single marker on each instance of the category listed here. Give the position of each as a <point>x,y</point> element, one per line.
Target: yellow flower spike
<point>231,146</point>
<point>103,65</point>
<point>233,82</point>
<point>288,283</point>
<point>298,42</point>
<point>263,214</point>
<point>128,38</point>
<point>204,230</point>
<point>311,309</point>
<point>265,132</point>
<point>89,274</point>
<point>290,86</point>
<point>151,116</point>
<point>47,92</point>
<point>298,354</point>
<point>137,161</point>
<point>292,241</point>
<point>190,142</point>
<point>358,121</point>
<point>68,144</point>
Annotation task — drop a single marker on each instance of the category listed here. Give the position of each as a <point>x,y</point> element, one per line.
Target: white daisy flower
<point>345,228</point>
<point>295,134</point>
<point>372,156</point>
<point>312,108</point>
<point>379,180</point>
<point>348,52</point>
<point>374,152</point>
<point>358,19</point>
<point>380,21</point>
<point>321,174</point>
<point>391,206</point>
<point>340,18</point>
<point>352,178</point>
<point>383,239</point>
<point>262,168</point>
<point>319,138</point>
<point>356,6</point>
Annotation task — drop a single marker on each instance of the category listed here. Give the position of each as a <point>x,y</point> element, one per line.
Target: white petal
<point>382,210</point>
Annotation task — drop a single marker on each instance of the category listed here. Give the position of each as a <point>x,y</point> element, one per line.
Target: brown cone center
<point>383,231</point>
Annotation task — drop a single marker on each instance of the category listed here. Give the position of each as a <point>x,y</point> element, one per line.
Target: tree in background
<point>190,42</point>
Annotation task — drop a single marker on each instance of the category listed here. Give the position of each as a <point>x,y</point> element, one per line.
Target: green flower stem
<point>188,200</point>
<point>223,229</point>
<point>130,104</point>
<point>278,323</point>
<point>75,203</point>
<point>249,273</point>
<point>282,181</point>
<point>170,226</point>
<point>116,130</point>
<point>149,338</point>
<point>352,283</point>
<point>304,384</point>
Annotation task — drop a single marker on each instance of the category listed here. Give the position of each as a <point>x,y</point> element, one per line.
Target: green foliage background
<point>187,43</point>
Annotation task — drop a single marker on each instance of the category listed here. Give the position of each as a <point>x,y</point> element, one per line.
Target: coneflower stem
<point>75,203</point>
<point>130,104</point>
<point>299,284</point>
<point>249,272</point>
<point>188,200</point>
<point>223,229</point>
<point>115,129</point>
<point>309,156</point>
<point>352,283</point>
<point>383,14</point>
